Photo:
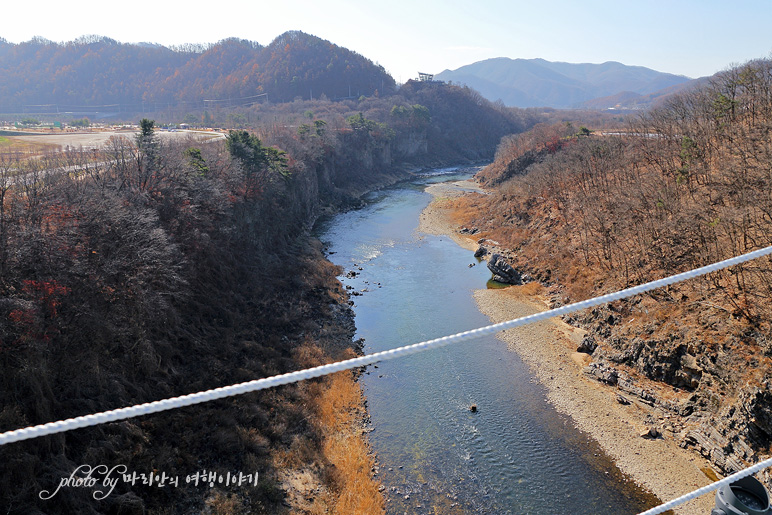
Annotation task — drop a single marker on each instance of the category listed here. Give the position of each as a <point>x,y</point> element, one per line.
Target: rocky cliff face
<point>732,435</point>
<point>411,143</point>
<point>707,400</point>
<point>701,394</point>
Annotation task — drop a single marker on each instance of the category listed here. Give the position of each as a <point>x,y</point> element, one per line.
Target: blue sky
<point>692,38</point>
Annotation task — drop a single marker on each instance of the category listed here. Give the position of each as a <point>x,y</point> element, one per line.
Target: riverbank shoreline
<point>658,465</point>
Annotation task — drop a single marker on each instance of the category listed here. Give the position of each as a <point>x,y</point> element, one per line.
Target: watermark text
<point>103,479</point>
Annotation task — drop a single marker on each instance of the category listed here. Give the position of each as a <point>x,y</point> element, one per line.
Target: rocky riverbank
<point>632,419</point>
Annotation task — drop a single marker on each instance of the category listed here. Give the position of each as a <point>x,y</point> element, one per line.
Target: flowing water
<point>516,454</point>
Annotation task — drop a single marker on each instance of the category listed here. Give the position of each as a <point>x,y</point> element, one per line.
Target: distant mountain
<point>540,83</point>
<point>97,71</point>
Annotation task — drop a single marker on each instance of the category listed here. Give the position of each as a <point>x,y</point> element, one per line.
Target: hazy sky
<point>693,38</point>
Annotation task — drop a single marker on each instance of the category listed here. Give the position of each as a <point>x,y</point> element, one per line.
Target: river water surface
<point>516,454</point>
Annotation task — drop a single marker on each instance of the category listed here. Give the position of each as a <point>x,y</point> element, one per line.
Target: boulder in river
<point>503,271</point>
<point>481,251</point>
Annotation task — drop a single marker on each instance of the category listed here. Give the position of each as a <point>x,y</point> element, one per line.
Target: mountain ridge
<point>94,70</point>
<point>541,83</point>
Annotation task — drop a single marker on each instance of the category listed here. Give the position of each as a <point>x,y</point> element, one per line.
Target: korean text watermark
<point>103,479</point>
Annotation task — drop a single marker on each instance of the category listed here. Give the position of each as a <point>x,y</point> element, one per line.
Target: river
<point>516,454</point>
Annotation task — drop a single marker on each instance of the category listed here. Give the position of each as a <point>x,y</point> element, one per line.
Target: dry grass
<point>13,148</point>
<point>580,282</point>
<point>340,408</point>
<point>221,504</point>
<point>465,208</point>
<point>709,473</point>
<point>532,289</point>
<point>336,476</point>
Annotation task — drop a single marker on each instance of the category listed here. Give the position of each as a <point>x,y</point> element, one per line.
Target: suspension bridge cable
<point>709,488</point>
<point>292,377</point>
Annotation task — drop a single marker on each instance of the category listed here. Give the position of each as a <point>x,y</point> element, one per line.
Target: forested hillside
<point>160,269</point>
<point>98,71</point>
<point>688,184</point>
<point>146,270</point>
<point>423,123</point>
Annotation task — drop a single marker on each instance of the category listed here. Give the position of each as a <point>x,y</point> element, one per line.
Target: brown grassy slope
<point>603,213</point>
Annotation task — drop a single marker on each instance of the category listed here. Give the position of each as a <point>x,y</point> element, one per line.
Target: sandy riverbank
<point>658,465</point>
<point>435,219</point>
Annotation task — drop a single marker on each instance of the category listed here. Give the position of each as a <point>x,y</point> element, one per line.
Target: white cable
<point>711,487</point>
<point>292,377</point>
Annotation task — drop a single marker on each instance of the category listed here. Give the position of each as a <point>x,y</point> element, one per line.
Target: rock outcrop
<point>731,438</point>
<point>481,251</point>
<point>503,271</point>
<point>588,345</point>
